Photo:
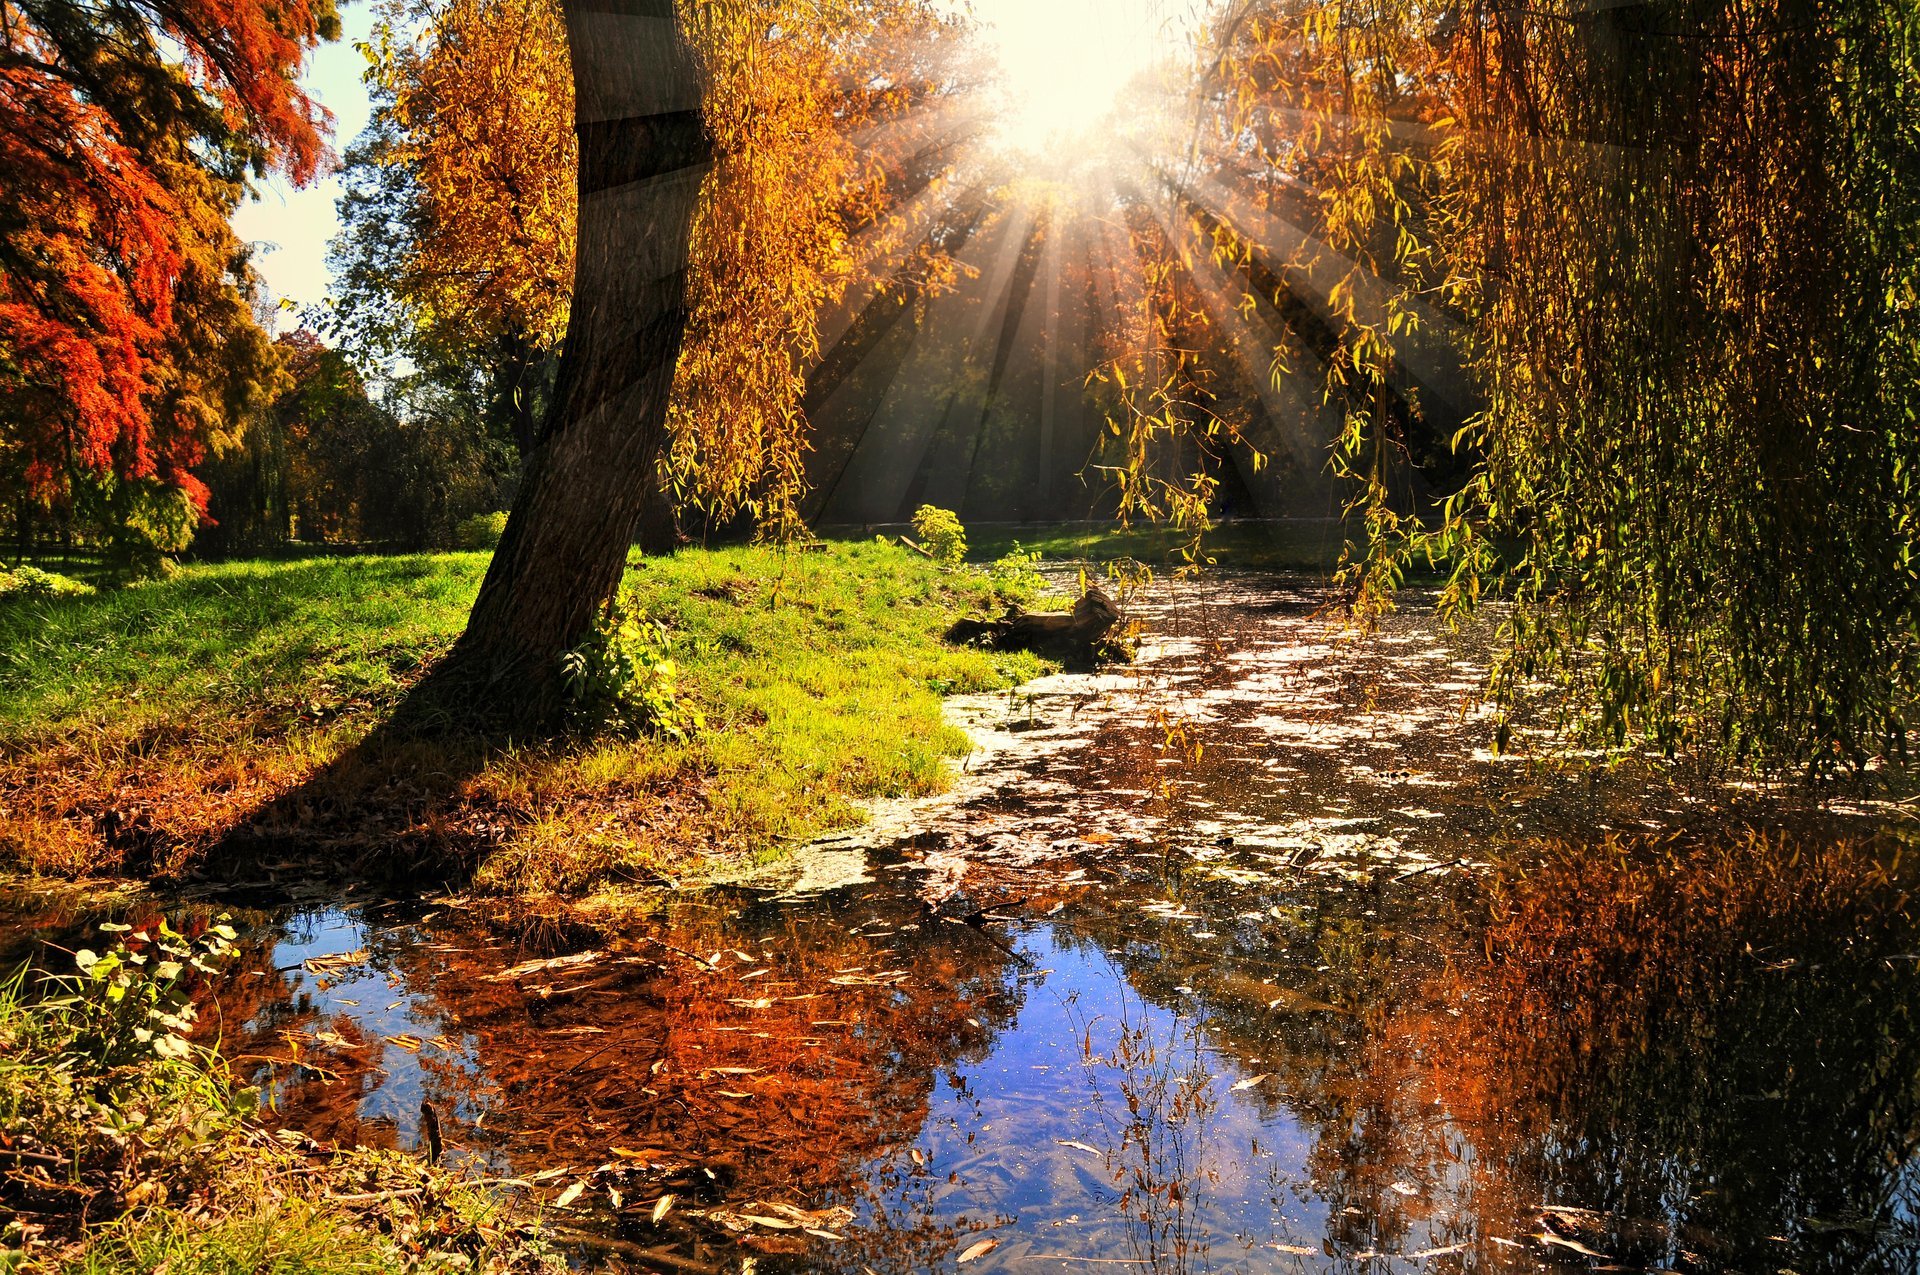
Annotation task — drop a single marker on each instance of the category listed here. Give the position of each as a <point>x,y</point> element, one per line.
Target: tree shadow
<point>397,808</point>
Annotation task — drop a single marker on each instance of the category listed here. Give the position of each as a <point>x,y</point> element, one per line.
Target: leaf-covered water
<point>1231,961</point>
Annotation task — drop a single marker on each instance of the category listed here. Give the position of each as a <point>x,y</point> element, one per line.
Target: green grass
<point>819,673</point>
<point>1305,545</point>
<point>228,637</point>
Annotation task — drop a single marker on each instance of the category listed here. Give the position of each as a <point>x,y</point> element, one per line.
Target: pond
<point>1228,961</point>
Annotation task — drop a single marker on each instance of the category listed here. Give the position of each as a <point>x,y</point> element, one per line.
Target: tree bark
<point>644,151</point>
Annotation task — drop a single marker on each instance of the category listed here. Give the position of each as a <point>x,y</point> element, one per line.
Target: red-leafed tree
<point>127,346</point>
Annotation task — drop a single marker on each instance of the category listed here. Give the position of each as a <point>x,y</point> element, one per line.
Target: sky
<point>1065,62</point>
<point>290,228</point>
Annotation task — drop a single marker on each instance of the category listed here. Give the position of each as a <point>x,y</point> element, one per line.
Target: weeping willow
<point>1690,233</point>
<point>1681,240</point>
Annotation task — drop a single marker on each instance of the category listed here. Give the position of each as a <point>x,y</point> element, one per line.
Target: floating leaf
<point>979,1249</point>
<point>1078,1146</point>
<point>1250,1082</point>
<point>661,1208</point>
<point>569,1195</point>
<point>1574,1246</point>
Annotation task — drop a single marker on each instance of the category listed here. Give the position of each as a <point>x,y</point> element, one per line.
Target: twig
<point>922,550</point>
<point>374,1197</point>
<point>1431,867</point>
<point>627,1248</point>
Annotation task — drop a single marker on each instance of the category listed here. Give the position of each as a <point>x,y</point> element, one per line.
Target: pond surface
<point>1201,967</point>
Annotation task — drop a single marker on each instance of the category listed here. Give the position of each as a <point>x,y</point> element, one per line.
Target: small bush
<point>623,679</point>
<point>33,584</point>
<point>1016,574</point>
<point>941,534</point>
<point>100,1079</point>
<point>482,531</point>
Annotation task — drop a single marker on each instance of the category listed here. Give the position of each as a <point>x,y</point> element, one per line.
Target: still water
<point>1247,958</point>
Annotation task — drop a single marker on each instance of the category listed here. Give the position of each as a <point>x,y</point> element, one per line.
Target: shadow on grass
<point>398,807</point>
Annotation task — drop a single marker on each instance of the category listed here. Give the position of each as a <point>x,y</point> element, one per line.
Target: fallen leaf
<point>1404,1188</point>
<point>1574,1246</point>
<point>540,967</point>
<point>1250,1082</point>
<point>407,1041</point>
<point>660,1208</point>
<point>777,1223</point>
<point>1078,1146</point>
<point>569,1195</point>
<point>980,1249</point>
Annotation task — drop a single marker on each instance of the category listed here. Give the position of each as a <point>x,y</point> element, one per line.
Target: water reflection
<point>1112,1028</point>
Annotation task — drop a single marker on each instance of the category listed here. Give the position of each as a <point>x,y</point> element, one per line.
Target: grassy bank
<point>245,705</point>
<point>126,1146</point>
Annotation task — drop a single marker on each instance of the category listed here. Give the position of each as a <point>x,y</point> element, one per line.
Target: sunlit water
<point>1191,972</point>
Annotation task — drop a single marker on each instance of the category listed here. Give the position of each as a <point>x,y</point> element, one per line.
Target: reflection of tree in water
<point>1694,1050</point>
<point>764,1053</point>
<point>1712,1043</point>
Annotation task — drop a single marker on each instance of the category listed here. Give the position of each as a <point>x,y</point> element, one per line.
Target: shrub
<point>33,584</point>
<point>941,534</point>
<point>99,1078</point>
<point>482,531</point>
<point>1016,575</point>
<point>623,679</point>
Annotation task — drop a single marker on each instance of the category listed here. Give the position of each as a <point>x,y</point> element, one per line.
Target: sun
<point>1066,67</point>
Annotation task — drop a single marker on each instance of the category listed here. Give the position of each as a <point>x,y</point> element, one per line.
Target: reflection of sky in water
<point>1102,1123</point>
<point>374,996</point>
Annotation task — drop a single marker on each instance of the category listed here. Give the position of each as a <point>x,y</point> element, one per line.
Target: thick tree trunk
<point>643,155</point>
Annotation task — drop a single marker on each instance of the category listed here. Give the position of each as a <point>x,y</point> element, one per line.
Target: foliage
<point>132,1149</point>
<point>1016,573</point>
<point>1675,245</point>
<point>465,206</point>
<point>127,129</point>
<point>136,998</point>
<point>460,207</point>
<point>941,535</point>
<point>31,584</point>
<point>481,531</point>
<point>100,1081</point>
<point>329,463</point>
<point>623,679</point>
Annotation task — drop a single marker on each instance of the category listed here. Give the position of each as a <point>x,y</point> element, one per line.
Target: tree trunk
<point>643,155</point>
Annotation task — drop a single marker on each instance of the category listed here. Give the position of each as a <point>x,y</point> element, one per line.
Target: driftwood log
<point>1084,635</point>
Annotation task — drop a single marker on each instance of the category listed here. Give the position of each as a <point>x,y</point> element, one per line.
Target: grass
<point>1277,545</point>
<point>121,1156</point>
<point>150,724</point>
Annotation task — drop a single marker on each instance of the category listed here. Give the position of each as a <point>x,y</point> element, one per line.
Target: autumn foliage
<point>127,130</point>
<point>482,105</point>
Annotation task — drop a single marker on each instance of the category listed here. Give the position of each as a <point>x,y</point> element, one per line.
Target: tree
<point>127,347</point>
<point>1679,242</point>
<point>716,221</point>
<point>333,464</point>
<point>644,149</point>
